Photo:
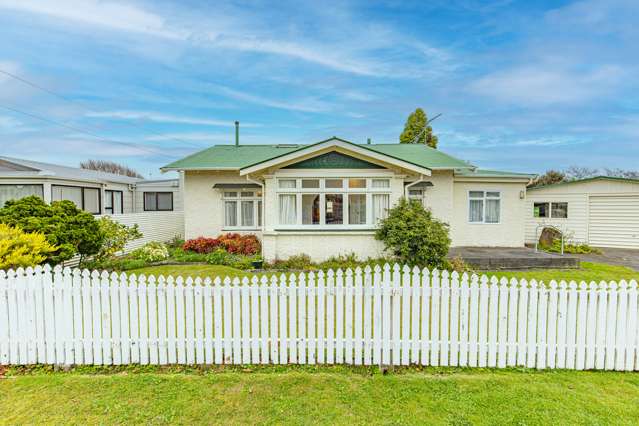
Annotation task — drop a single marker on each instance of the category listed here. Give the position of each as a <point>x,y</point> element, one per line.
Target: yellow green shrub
<point>19,248</point>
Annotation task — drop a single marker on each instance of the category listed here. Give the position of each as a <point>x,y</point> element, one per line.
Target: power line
<point>416,139</point>
<point>79,130</point>
<point>75,101</point>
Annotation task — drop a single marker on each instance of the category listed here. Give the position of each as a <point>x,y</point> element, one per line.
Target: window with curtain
<point>87,199</point>
<point>288,209</point>
<point>15,192</point>
<point>341,203</point>
<point>113,202</point>
<point>484,206</point>
<point>381,204</point>
<point>242,209</point>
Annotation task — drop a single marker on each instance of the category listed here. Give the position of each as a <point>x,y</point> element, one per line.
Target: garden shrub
<point>71,230</point>
<point>151,252</point>
<point>412,235</point>
<point>22,249</point>
<point>222,257</point>
<point>233,243</point>
<point>297,262</point>
<point>115,237</point>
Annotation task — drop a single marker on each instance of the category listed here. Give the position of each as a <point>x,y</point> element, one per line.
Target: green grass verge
<point>587,272</point>
<point>322,395</point>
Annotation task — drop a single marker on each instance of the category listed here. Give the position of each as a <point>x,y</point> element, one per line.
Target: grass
<point>322,395</point>
<point>588,272</point>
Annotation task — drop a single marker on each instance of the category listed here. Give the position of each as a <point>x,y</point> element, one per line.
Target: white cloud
<point>106,14</point>
<point>163,118</point>
<point>303,105</point>
<point>542,84</point>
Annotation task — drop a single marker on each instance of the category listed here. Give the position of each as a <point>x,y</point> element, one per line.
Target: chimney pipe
<point>368,141</point>
<point>237,133</point>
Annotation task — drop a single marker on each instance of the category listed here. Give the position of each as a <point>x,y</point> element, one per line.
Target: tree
<point>72,230</point>
<point>548,178</point>
<point>110,167</point>
<point>417,131</point>
<point>577,172</point>
<point>414,236</point>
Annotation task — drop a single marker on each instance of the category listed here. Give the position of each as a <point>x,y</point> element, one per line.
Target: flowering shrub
<point>152,252</point>
<point>19,248</point>
<point>232,243</point>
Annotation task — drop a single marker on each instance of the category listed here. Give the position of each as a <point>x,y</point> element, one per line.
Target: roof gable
<point>333,160</point>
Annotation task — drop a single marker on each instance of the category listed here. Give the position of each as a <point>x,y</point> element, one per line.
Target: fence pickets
<point>370,316</point>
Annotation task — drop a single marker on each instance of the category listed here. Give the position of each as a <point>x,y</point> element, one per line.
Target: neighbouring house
<point>94,191</point>
<point>326,198</point>
<point>601,211</point>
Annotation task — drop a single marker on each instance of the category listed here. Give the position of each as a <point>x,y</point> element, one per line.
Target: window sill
<point>241,228</point>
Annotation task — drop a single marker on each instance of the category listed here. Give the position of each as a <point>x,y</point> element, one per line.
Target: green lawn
<point>322,396</point>
<point>587,272</point>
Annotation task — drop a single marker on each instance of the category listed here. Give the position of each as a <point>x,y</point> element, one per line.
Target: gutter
<point>407,187</point>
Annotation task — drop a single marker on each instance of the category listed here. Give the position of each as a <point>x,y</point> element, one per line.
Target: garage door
<point>614,221</point>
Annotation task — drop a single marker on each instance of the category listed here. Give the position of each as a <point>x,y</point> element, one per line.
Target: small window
<point>113,203</point>
<point>380,183</point>
<point>230,194</point>
<point>248,194</point>
<point>541,210</point>
<point>484,206</point>
<point>559,210</point>
<point>310,183</point>
<point>287,183</point>
<point>357,183</point>
<point>158,201</point>
<point>333,183</point>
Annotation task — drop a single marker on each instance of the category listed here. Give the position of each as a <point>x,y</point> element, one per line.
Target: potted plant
<point>257,263</point>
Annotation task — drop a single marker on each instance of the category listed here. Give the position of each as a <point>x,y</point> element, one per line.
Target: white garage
<point>614,221</point>
<point>600,211</point>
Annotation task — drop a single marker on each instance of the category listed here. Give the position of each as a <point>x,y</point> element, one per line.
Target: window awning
<point>247,185</point>
<point>421,185</point>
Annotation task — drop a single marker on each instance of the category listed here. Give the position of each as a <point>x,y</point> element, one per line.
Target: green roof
<point>570,182</point>
<point>239,157</point>
<point>492,174</point>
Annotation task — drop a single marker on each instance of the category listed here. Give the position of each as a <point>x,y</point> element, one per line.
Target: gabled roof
<point>28,168</point>
<point>590,179</point>
<point>231,157</point>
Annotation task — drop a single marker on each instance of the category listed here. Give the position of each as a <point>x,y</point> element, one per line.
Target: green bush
<point>297,262</point>
<point>571,248</point>
<point>22,249</point>
<point>115,237</point>
<point>412,235</point>
<point>180,255</point>
<point>70,229</point>
<point>151,252</point>
<point>222,257</point>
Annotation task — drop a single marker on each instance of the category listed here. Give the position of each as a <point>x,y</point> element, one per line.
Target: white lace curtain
<point>288,209</point>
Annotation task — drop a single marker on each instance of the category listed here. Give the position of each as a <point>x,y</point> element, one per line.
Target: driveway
<point>613,256</point>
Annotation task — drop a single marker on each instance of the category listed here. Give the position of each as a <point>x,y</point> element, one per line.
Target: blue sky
<point>522,85</point>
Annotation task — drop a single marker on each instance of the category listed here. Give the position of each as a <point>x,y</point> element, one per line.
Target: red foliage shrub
<point>233,243</point>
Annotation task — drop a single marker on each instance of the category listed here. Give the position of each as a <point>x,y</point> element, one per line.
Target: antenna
<point>425,126</point>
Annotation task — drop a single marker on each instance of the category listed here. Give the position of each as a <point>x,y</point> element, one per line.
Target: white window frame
<point>550,215</point>
<point>484,198</point>
<point>322,191</point>
<point>256,199</point>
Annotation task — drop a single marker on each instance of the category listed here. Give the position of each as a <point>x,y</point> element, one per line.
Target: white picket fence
<point>389,316</point>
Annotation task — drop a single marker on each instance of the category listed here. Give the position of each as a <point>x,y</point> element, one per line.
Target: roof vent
<point>286,145</point>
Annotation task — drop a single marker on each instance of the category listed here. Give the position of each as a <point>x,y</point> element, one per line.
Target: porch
<point>491,258</point>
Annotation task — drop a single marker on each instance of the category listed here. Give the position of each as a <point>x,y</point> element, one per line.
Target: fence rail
<point>397,316</point>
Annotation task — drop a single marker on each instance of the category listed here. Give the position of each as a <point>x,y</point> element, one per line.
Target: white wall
<point>320,245</point>
<point>203,207</point>
<point>154,226</point>
<point>508,233</point>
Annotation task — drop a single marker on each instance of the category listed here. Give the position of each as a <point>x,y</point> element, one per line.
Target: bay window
<point>16,192</point>
<point>242,209</point>
<point>484,206</point>
<point>332,203</point>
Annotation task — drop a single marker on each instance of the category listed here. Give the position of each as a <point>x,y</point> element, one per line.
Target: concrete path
<point>613,256</point>
<point>511,258</point>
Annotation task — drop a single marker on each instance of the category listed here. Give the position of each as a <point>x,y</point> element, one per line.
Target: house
<point>326,198</point>
<point>94,191</point>
<point>601,211</point>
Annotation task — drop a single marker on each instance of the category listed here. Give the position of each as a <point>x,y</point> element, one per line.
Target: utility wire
<point>88,109</point>
<point>79,130</point>
<point>416,139</point>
